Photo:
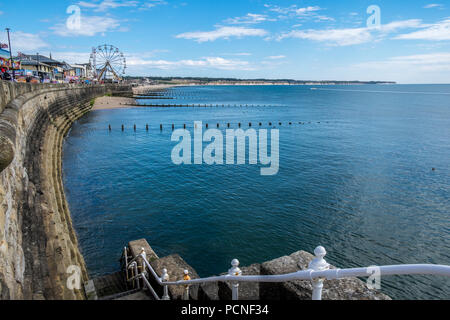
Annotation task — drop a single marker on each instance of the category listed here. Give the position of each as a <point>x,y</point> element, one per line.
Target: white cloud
<point>403,24</point>
<point>433,5</point>
<point>420,68</point>
<point>305,11</point>
<point>250,18</point>
<point>83,57</point>
<point>351,36</point>
<point>431,61</point>
<point>151,4</point>
<point>222,33</point>
<point>90,26</point>
<point>238,54</point>
<point>72,57</point>
<point>340,37</point>
<point>320,18</point>
<point>107,4</point>
<point>276,57</point>
<point>207,62</point>
<point>273,8</point>
<point>300,13</point>
<point>438,32</point>
<point>281,10</point>
<point>22,41</point>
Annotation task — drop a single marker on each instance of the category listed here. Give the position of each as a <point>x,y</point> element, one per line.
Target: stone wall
<point>37,241</point>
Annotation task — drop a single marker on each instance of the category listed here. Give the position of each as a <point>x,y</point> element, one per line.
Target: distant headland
<point>242,82</point>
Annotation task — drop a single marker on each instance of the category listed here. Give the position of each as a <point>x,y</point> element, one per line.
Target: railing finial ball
<point>319,263</point>
<point>235,271</point>
<point>320,252</point>
<point>165,275</point>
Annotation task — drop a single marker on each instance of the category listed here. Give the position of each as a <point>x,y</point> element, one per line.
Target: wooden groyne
<point>196,105</point>
<point>161,126</point>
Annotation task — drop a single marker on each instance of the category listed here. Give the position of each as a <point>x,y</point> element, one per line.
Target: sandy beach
<point>107,102</point>
<point>153,87</point>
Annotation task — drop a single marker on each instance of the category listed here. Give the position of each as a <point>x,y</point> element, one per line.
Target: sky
<point>403,41</point>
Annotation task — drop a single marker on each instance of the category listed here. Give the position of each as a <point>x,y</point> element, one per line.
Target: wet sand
<point>105,103</point>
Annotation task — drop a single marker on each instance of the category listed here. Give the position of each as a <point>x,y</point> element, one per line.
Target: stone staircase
<point>115,286</point>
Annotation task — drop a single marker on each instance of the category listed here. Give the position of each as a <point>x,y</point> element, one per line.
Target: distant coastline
<point>249,82</point>
<point>143,85</point>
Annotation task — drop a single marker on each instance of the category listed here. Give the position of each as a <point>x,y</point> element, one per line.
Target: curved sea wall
<point>38,246</point>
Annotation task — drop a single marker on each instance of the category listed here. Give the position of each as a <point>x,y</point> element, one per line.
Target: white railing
<point>318,271</point>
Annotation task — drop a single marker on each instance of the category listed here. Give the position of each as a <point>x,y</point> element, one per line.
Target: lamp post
<point>10,55</point>
<point>38,67</point>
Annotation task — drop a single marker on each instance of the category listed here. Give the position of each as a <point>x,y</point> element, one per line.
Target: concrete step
<point>118,296</point>
<point>106,286</point>
<point>137,296</point>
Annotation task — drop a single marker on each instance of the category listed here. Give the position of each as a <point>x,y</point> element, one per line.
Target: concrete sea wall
<point>37,241</point>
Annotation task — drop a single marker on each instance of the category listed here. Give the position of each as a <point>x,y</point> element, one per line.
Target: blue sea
<point>355,176</point>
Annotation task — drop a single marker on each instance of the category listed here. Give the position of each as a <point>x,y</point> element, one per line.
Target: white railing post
<point>318,264</point>
<point>134,266</point>
<point>125,257</point>
<point>144,256</point>
<point>165,278</point>
<point>186,287</point>
<point>143,266</point>
<point>235,272</point>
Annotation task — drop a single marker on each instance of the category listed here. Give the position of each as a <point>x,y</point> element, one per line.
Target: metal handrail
<point>148,285</point>
<point>418,269</point>
<point>318,271</point>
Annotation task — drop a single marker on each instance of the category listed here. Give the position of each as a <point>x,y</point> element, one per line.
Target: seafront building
<point>34,68</point>
<point>44,68</point>
<point>38,68</point>
<point>82,70</point>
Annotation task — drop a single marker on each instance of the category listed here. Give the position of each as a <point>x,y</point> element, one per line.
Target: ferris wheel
<point>108,62</point>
